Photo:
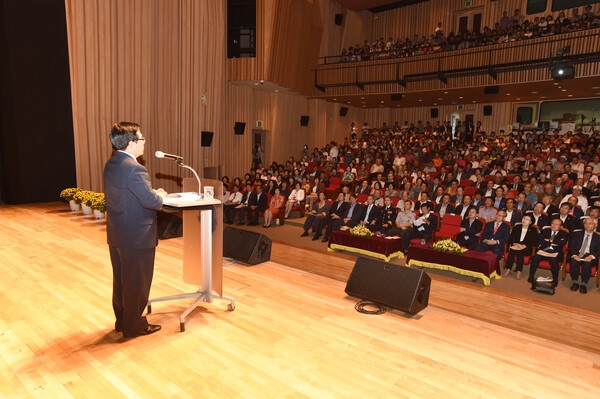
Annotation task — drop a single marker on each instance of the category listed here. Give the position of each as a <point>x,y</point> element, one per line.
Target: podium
<point>202,246</point>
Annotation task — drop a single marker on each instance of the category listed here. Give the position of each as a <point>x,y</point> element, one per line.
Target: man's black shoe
<point>151,329</point>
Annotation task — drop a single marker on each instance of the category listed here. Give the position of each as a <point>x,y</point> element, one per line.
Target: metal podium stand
<point>202,247</point>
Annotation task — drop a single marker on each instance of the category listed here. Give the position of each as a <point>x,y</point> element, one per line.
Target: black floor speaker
<point>399,287</point>
<point>170,224</point>
<point>246,246</point>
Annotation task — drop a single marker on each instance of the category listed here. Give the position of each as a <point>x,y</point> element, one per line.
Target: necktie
<point>584,246</point>
<point>470,223</point>
<point>552,236</point>
<point>350,211</point>
<point>496,225</point>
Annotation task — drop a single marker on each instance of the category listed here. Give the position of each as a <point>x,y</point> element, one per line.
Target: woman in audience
<point>277,201</point>
<point>319,210</point>
<point>313,192</point>
<point>348,177</point>
<point>294,199</point>
<point>523,238</point>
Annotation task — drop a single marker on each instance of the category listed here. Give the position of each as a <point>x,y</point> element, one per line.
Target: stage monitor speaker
<point>169,224</point>
<point>304,120</point>
<point>397,96</point>
<point>433,112</point>
<point>487,110</point>
<point>206,139</point>
<point>343,111</point>
<point>246,246</point>
<point>491,90</point>
<point>399,287</point>
<point>239,127</point>
<point>339,18</point>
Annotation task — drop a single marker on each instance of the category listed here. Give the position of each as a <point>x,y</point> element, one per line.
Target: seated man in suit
<point>463,209</point>
<point>495,234</point>
<point>387,216</point>
<point>256,203</point>
<point>522,205</point>
<point>552,241</point>
<point>584,250</point>
<point>470,230</point>
<point>540,219</point>
<point>404,221</point>
<point>423,227</point>
<point>370,213</point>
<point>336,212</point>
<point>350,219</point>
<point>513,216</point>
<point>568,220</point>
<point>445,206</point>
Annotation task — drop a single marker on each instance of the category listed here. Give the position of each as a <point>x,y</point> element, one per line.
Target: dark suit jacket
<point>449,208</point>
<point>502,204</point>
<point>261,203</point>
<point>551,210</point>
<point>502,235</point>
<point>556,245</point>
<point>387,217</point>
<point>531,237</point>
<point>568,223</point>
<point>459,209</point>
<point>373,215</point>
<point>577,242</point>
<point>515,217</point>
<point>428,228</point>
<point>339,209</point>
<point>474,229</point>
<point>131,204</point>
<point>543,220</point>
<point>356,214</point>
<point>525,207</point>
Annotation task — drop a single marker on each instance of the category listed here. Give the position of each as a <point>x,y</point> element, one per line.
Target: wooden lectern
<point>202,245</point>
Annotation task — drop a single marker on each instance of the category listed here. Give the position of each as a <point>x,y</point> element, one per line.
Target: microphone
<point>160,154</point>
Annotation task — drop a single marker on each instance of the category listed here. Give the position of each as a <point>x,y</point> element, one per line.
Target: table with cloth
<point>383,248</point>
<point>483,265</point>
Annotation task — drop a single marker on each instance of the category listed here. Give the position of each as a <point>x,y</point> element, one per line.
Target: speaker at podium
<point>246,246</point>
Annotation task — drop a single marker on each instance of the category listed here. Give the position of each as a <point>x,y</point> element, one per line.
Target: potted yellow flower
<point>98,204</point>
<point>68,194</point>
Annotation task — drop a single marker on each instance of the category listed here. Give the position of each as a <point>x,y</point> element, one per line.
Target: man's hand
<point>161,192</point>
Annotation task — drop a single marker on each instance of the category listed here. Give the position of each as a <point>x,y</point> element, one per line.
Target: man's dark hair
<point>122,133</point>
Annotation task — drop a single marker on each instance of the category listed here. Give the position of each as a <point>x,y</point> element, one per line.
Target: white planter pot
<point>74,206</point>
<point>86,209</point>
<point>98,214</point>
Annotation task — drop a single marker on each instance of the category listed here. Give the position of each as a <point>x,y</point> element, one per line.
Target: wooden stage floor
<point>294,333</point>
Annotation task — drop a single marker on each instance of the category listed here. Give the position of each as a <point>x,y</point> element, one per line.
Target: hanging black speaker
<point>339,18</point>
<point>487,110</point>
<point>239,127</point>
<point>343,111</point>
<point>206,139</point>
<point>304,120</point>
<point>433,112</point>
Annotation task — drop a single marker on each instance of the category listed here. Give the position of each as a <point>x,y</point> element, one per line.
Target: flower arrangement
<point>98,202</point>
<point>83,197</point>
<point>69,193</point>
<point>360,231</point>
<point>448,246</point>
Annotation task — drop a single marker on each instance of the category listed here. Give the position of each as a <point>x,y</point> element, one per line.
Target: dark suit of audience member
<point>523,235</point>
<point>550,210</point>
<point>336,213</point>
<point>241,210</point>
<point>370,213</point>
<point>568,223</point>
<point>584,250</point>
<point>515,217</point>
<point>449,209</point>
<point>257,203</point>
<point>523,207</point>
<point>352,216</point>
<point>493,239</point>
<point>463,211</point>
<point>469,238</point>
<point>423,227</point>
<point>541,221</point>
<point>551,245</point>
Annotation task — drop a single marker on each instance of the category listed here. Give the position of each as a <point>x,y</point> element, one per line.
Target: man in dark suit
<point>568,220</point>
<point>370,213</point>
<point>463,209</point>
<point>470,230</point>
<point>423,227</point>
<point>495,234</point>
<point>540,219</point>
<point>584,251</point>
<point>243,206</point>
<point>445,206</point>
<point>521,204</point>
<point>257,203</point>
<point>352,216</point>
<point>550,248</point>
<point>336,213</point>
<point>131,229</point>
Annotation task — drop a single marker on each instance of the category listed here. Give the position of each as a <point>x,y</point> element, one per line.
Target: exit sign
<point>468,3</point>
<point>461,107</point>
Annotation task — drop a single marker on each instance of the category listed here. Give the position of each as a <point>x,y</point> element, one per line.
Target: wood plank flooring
<point>293,334</point>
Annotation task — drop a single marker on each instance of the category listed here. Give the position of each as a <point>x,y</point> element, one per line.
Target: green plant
<point>68,193</point>
<point>98,202</point>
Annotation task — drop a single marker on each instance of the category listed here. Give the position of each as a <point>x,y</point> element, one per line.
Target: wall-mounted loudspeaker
<point>339,18</point>
<point>397,96</point>
<point>239,127</point>
<point>399,287</point>
<point>304,120</point>
<point>487,110</point>
<point>246,246</point>
<point>433,112</point>
<point>491,90</point>
<point>343,111</point>
<point>206,139</point>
